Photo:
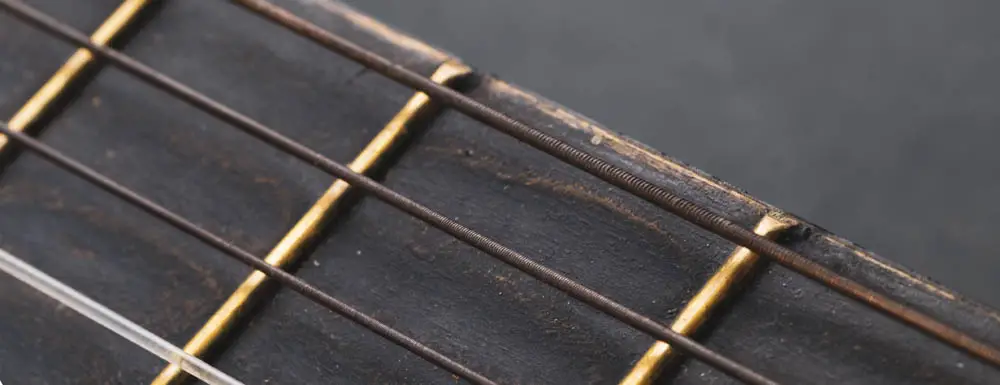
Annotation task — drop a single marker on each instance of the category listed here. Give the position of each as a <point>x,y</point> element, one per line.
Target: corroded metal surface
<point>307,229</point>
<point>500,322</point>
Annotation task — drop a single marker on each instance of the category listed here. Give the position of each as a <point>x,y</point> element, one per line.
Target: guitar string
<point>74,67</point>
<point>392,139</point>
<point>895,310</point>
<point>489,246</point>
<point>702,216</point>
<point>281,276</point>
<point>116,323</point>
<point>629,182</point>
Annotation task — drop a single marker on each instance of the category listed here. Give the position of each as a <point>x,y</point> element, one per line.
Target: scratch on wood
<point>617,143</point>
<point>605,137</point>
<point>928,286</point>
<point>582,193</point>
<point>646,156</point>
<point>377,28</point>
<point>867,257</point>
<point>575,190</point>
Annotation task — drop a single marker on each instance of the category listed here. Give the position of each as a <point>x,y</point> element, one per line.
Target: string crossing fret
<point>552,145</point>
<point>70,71</point>
<point>69,297</point>
<point>628,181</point>
<point>292,245</point>
<point>721,285</point>
<point>268,135</point>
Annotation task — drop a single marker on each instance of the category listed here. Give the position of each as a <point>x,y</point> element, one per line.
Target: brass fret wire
<point>74,66</point>
<point>69,297</point>
<point>682,207</point>
<point>291,245</point>
<point>622,178</point>
<point>268,135</point>
<point>232,251</point>
<point>721,285</point>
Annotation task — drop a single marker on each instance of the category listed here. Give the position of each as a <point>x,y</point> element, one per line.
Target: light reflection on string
<point>112,321</point>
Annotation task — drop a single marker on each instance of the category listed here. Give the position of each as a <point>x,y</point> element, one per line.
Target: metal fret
<point>562,150</point>
<point>724,283</point>
<point>230,250</point>
<point>114,322</point>
<point>268,135</point>
<point>70,71</point>
<point>632,183</point>
<point>292,245</point>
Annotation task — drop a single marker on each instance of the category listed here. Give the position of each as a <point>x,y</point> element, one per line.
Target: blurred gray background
<point>874,119</point>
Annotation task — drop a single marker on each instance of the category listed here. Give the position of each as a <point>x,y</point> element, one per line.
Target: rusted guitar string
<point>685,210</point>
<point>293,245</point>
<point>70,71</point>
<point>487,245</point>
<point>627,181</point>
<point>285,278</point>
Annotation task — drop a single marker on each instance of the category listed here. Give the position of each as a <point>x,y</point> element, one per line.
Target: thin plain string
<point>112,321</point>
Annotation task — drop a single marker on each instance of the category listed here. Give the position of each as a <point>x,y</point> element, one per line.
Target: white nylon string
<point>112,321</point>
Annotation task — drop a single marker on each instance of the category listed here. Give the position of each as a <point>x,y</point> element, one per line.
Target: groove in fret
<point>70,71</point>
<point>291,246</point>
<point>721,285</point>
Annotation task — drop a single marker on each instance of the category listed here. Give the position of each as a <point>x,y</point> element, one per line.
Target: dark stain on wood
<point>415,278</point>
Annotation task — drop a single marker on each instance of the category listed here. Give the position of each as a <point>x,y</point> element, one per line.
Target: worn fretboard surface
<point>417,279</point>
